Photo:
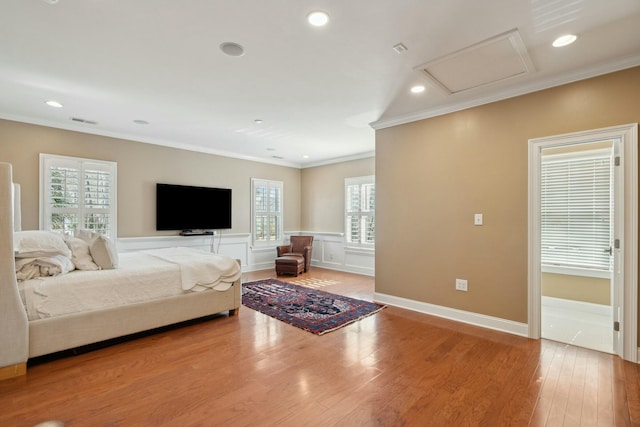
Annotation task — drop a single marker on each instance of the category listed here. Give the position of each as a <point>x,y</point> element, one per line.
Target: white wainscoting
<point>233,245</point>
<point>329,250</point>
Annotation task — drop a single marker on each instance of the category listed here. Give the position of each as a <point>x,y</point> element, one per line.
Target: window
<point>576,210</point>
<point>360,207</point>
<point>267,211</point>
<point>77,193</point>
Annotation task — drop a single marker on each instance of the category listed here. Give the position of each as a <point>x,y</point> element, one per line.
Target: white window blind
<point>577,208</point>
<point>78,193</point>
<point>360,204</point>
<point>267,211</point>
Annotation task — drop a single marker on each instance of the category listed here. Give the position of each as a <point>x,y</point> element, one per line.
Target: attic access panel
<point>490,61</point>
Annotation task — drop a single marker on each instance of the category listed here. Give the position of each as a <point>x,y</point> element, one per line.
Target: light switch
<point>477,219</point>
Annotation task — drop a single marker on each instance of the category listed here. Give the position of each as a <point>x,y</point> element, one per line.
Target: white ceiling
<point>319,91</point>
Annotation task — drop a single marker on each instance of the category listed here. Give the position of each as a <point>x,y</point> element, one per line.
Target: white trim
<point>72,126</point>
<point>624,63</point>
<point>583,272</point>
<point>359,156</point>
<point>315,233</point>
<point>484,321</point>
<point>628,134</point>
<point>328,250</point>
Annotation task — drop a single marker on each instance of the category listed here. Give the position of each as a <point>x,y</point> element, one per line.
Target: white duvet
<point>30,268</point>
<point>200,270</point>
<point>140,276</point>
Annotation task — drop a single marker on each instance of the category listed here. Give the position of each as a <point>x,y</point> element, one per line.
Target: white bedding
<point>30,268</point>
<point>200,270</point>
<point>140,276</point>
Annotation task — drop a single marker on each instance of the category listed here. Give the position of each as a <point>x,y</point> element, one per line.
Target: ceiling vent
<point>400,48</point>
<point>491,61</point>
<point>79,120</point>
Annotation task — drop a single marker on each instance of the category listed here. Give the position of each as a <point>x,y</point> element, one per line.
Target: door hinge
<point>616,243</point>
<point>617,161</point>
<point>616,326</point>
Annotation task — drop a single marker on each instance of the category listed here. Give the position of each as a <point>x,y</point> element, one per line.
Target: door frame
<point>628,291</point>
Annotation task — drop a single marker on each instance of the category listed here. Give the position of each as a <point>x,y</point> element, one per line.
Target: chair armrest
<point>307,251</point>
<point>283,249</point>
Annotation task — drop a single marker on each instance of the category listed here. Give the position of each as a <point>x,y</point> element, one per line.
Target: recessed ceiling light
<point>51,1</point>
<point>318,18</point>
<point>271,149</point>
<point>54,104</point>
<point>257,121</point>
<point>232,49</point>
<point>565,40</point>
<point>417,89</point>
<point>305,157</point>
<point>141,122</point>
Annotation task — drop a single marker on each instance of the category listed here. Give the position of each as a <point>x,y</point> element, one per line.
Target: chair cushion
<point>290,259</point>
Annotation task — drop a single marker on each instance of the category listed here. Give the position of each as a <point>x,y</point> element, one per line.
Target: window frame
<point>361,213</point>
<point>47,161</point>
<point>278,215</point>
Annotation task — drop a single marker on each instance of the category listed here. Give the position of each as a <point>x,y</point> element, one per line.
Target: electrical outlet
<point>461,285</point>
<point>477,219</point>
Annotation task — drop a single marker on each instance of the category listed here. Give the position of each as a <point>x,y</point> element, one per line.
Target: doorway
<point>577,194</point>
<point>620,281</point>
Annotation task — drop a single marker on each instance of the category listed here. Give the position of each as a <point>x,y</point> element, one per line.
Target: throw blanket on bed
<point>200,270</point>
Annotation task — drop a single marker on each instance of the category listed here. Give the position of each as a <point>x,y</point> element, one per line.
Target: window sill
<point>601,274</point>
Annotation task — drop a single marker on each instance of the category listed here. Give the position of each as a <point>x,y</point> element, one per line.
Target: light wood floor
<point>396,368</point>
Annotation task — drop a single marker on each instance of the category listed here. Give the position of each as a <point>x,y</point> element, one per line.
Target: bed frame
<point>21,339</point>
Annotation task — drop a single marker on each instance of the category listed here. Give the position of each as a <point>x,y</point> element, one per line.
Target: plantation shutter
<point>78,193</point>
<point>360,202</point>
<point>576,209</point>
<point>267,211</point>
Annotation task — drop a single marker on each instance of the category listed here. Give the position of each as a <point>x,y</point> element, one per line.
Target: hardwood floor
<point>396,368</point>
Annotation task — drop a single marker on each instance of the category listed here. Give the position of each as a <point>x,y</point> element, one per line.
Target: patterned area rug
<point>313,310</point>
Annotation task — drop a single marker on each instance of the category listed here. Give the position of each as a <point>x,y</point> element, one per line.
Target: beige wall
<point>577,288</point>
<point>433,175</point>
<point>323,196</point>
<point>140,167</point>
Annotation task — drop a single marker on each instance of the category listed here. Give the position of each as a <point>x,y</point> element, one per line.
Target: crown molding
<point>586,73</point>
<point>342,159</point>
<point>153,141</point>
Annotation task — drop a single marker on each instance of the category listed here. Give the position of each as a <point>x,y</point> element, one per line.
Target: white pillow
<point>80,254</point>
<point>39,243</point>
<point>102,249</point>
<point>104,252</point>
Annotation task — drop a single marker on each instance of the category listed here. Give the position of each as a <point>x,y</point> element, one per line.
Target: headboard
<point>14,328</point>
<point>17,210</point>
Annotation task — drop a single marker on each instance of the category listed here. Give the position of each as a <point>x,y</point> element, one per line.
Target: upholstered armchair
<point>299,246</point>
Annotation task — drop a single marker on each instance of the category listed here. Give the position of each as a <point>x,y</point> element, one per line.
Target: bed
<point>147,290</point>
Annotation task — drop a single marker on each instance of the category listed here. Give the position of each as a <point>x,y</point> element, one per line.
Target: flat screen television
<point>188,208</point>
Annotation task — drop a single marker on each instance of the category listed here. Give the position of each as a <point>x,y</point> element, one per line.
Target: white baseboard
<point>471,318</point>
